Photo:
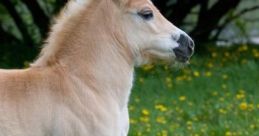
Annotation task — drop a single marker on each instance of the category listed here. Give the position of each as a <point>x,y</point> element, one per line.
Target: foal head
<point>150,35</point>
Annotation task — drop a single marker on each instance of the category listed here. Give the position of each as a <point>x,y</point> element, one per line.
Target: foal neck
<point>91,49</point>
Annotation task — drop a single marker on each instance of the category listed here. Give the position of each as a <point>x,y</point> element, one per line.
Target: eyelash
<point>146,15</point>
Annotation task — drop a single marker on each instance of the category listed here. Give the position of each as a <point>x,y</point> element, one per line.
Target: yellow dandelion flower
<point>169,85</point>
<point>222,99</point>
<point>131,108</point>
<point>226,54</point>
<point>215,93</point>
<point>182,98</point>
<point>222,111</point>
<point>139,134</point>
<point>141,80</point>
<point>225,76</point>
<point>255,53</point>
<point>243,48</point>
<point>214,54</point>
<point>228,133</point>
<point>243,106</point>
<point>161,120</point>
<point>210,65</point>
<point>168,80</point>
<point>241,91</point>
<point>252,126</point>
<point>251,107</point>
<point>161,107</point>
<point>189,123</point>
<point>179,78</point>
<point>164,133</point>
<point>144,119</point>
<point>244,61</point>
<point>148,67</point>
<point>208,74</point>
<point>137,100</point>
<point>190,103</point>
<point>196,73</point>
<point>240,96</point>
<point>145,112</point>
<point>133,121</point>
<point>224,86</point>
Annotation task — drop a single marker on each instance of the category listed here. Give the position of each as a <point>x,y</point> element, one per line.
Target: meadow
<point>216,95</point>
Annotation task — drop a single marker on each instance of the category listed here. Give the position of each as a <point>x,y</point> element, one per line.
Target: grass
<point>217,95</point>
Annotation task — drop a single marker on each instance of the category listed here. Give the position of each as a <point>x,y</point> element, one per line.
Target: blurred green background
<point>216,95</point>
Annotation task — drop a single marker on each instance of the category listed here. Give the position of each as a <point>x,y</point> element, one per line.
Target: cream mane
<point>62,23</point>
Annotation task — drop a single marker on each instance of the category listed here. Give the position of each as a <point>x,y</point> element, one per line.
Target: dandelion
<point>164,133</point>
<point>148,67</point>
<point>225,76</point>
<point>215,93</point>
<point>139,134</point>
<point>224,86</point>
<point>161,107</point>
<point>228,133</point>
<point>241,91</point>
<point>243,106</point>
<point>196,73</point>
<point>144,119</point>
<point>182,98</point>
<point>240,96</point>
<point>131,108</point>
<point>243,48</point>
<point>214,55</point>
<point>169,82</point>
<point>255,53</point>
<point>133,121</point>
<point>210,65</point>
<point>226,54</point>
<point>161,120</point>
<point>189,123</point>
<point>145,112</point>
<point>148,129</point>
<point>251,107</point>
<point>244,61</point>
<point>222,111</point>
<point>252,126</point>
<point>208,74</point>
<point>137,100</point>
<point>141,80</point>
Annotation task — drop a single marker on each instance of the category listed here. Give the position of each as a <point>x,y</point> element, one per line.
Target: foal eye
<point>146,14</point>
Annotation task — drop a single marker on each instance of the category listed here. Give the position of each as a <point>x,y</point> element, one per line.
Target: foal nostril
<point>185,41</point>
<point>185,49</point>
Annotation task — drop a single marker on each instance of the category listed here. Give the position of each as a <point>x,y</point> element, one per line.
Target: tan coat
<point>80,84</point>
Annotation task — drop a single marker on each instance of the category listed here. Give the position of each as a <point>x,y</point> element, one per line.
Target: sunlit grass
<point>217,95</point>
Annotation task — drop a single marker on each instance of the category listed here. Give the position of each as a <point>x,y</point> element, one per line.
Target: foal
<point>80,85</point>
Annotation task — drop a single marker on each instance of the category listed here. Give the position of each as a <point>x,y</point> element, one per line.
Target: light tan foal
<point>80,85</point>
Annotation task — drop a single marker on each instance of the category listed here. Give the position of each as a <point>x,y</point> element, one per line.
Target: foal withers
<point>81,83</point>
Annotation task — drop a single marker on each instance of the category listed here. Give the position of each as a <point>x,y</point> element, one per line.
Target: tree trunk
<point>210,18</point>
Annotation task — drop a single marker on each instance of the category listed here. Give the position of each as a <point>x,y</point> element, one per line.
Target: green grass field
<point>216,95</point>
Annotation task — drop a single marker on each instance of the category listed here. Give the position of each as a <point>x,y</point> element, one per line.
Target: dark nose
<point>185,49</point>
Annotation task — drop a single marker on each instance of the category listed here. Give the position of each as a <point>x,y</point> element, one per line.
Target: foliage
<point>27,22</point>
<point>217,95</point>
